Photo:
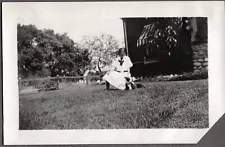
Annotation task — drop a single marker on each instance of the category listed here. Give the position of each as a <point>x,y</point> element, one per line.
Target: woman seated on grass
<point>119,76</point>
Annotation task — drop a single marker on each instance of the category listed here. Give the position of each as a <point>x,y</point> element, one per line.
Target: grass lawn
<point>180,104</point>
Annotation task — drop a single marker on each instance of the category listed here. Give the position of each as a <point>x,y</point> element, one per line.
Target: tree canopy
<point>161,35</point>
<point>46,53</point>
<point>102,49</point>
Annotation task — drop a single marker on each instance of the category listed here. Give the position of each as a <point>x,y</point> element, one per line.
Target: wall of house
<point>200,49</point>
<point>200,58</point>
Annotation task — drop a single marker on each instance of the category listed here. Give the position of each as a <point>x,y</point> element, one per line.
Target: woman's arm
<point>129,63</point>
<point>113,66</point>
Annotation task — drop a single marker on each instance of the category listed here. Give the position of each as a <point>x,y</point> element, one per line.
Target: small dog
<point>131,85</point>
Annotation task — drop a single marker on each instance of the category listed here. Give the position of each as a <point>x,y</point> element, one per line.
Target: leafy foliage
<point>101,48</point>
<point>48,85</point>
<point>182,77</point>
<point>163,35</point>
<point>29,58</point>
<point>44,53</point>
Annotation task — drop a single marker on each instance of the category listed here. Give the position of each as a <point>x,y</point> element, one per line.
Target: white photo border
<point>214,11</point>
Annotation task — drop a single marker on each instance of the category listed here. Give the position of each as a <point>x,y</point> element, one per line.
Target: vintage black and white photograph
<point>111,72</point>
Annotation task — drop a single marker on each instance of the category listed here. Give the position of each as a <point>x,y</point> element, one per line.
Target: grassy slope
<point>160,105</point>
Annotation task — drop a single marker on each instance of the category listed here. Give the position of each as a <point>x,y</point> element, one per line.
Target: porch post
<point>125,36</point>
<point>194,27</point>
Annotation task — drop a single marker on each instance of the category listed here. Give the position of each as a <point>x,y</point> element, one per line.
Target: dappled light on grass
<point>181,104</point>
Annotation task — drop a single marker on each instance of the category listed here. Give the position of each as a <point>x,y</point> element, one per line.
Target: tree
<point>163,35</point>
<point>102,50</point>
<point>29,58</point>
<point>46,53</point>
<point>63,57</point>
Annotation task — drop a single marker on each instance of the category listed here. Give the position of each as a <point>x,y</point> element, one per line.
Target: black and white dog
<point>131,85</point>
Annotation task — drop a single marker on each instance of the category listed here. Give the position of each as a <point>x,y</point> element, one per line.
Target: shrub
<point>30,83</point>
<point>48,85</point>
<point>190,76</point>
<point>176,77</point>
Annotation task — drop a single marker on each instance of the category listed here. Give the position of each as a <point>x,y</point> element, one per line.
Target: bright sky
<point>75,20</point>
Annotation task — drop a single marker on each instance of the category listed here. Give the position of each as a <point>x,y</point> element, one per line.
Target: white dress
<point>116,76</point>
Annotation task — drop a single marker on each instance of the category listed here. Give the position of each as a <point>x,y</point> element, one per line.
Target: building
<point>190,50</point>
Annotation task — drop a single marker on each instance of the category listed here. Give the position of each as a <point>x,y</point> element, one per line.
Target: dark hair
<point>120,50</point>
